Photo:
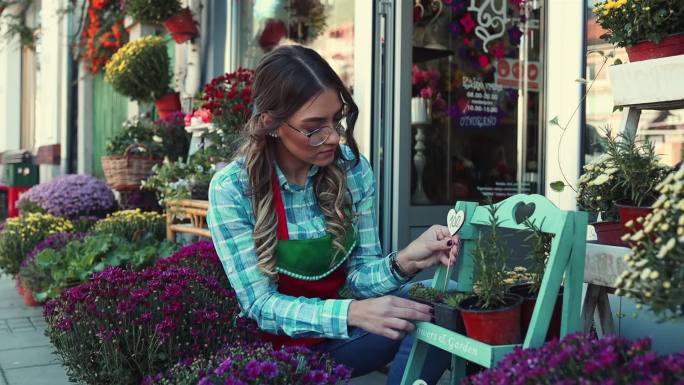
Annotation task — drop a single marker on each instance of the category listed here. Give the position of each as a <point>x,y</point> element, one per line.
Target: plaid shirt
<point>231,222</point>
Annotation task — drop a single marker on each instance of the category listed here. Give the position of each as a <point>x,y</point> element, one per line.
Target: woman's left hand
<point>435,245</point>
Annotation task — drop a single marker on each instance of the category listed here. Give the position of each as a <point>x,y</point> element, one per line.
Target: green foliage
<point>79,259</point>
<point>174,180</point>
<point>630,22</point>
<point>489,258</point>
<point>539,255</point>
<point>427,294</point>
<point>639,170</point>
<point>132,225</point>
<point>453,299</point>
<point>140,69</point>
<point>136,130</point>
<point>152,11</point>
<point>15,24</point>
<point>21,234</point>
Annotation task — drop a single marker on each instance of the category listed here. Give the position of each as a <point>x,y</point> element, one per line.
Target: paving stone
<point>26,339</point>
<point>37,375</point>
<point>23,357</point>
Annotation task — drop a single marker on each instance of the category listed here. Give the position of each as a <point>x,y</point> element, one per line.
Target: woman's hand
<point>387,316</point>
<point>435,245</point>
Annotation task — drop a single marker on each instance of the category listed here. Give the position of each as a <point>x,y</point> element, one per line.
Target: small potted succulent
<point>648,29</point>
<point>447,314</point>
<point>423,294</point>
<point>492,315</point>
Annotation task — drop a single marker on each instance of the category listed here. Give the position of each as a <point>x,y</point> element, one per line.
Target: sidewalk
<point>26,354</point>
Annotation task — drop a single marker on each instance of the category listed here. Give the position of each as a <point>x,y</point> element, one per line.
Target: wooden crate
<point>195,210</point>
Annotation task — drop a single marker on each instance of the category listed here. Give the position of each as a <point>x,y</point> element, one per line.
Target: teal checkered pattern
<point>231,222</point>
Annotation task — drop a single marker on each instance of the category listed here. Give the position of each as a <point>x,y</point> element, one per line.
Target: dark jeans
<point>365,352</point>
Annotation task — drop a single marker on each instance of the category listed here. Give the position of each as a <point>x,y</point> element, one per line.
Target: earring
<point>273,134</point>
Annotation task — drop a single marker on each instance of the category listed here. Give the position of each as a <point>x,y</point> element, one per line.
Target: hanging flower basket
<point>670,46</point>
<point>168,104</point>
<point>182,26</point>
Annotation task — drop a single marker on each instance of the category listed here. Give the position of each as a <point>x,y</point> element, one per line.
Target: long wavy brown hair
<point>285,79</point>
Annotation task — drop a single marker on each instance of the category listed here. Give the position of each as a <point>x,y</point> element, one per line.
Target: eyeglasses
<point>319,135</point>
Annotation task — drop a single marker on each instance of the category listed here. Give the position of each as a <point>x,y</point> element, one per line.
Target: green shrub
<point>152,11</point>
<point>132,225</point>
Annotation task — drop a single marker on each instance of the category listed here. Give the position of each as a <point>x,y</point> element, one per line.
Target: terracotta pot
<point>18,285</point>
<point>28,298</point>
<point>182,26</point>
<point>527,308</point>
<point>609,233</point>
<point>168,104</point>
<point>670,46</point>
<point>493,326</point>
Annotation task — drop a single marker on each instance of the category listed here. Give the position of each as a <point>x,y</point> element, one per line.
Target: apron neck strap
<point>283,234</point>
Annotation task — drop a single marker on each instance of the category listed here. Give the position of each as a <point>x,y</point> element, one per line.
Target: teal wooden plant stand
<point>569,230</point>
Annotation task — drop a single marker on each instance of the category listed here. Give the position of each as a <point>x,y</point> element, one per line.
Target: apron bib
<point>308,268</point>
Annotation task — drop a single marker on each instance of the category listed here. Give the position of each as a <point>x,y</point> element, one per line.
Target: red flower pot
<point>631,213</point>
<point>495,327</point>
<point>527,308</point>
<point>609,233</point>
<point>28,298</point>
<point>670,46</point>
<point>182,26</point>
<point>18,285</point>
<point>168,104</point>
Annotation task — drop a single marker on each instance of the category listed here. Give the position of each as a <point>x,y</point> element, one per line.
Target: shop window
<point>324,25</point>
<point>477,89</point>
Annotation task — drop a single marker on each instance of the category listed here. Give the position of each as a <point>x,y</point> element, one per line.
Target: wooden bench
<point>195,210</point>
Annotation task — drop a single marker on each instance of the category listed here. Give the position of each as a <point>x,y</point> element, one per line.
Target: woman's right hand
<point>387,316</point>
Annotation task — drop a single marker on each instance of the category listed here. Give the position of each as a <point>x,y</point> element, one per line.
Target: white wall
<point>363,73</point>
<point>564,65</point>
<point>10,90</point>
<point>53,80</point>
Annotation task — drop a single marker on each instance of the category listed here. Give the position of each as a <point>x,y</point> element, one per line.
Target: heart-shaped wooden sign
<point>455,220</point>
<point>523,211</point>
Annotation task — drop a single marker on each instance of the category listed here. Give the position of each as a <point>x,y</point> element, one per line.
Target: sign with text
<point>510,72</point>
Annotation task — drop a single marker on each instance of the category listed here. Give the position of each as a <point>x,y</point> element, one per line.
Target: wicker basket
<point>125,172</point>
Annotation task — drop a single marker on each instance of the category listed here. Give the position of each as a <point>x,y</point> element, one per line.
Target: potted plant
<point>447,314</point>
<point>638,172</point>
<point>583,359</point>
<point>492,315</point>
<point>228,101</point>
<point>656,274</point>
<point>103,33</point>
<point>527,283</point>
<point>175,180</point>
<point>423,294</point>
<point>647,28</point>
<point>141,71</point>
<point>70,196</point>
<point>618,185</point>
<point>426,98</point>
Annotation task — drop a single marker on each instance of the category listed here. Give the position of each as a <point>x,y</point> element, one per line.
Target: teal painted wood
<point>110,110</point>
<point>565,264</point>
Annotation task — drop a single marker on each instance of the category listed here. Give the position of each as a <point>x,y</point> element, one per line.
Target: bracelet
<point>396,269</point>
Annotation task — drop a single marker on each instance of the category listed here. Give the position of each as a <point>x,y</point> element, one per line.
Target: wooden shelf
<point>649,84</point>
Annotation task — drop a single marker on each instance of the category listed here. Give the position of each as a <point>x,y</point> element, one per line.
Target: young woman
<point>292,219</point>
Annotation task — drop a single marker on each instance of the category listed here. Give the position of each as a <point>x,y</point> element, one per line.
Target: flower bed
<point>21,234</point>
<point>160,316</point>
<point>583,359</point>
<point>248,363</point>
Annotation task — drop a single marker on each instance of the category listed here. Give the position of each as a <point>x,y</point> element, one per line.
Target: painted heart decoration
<point>523,211</point>
<point>455,220</point>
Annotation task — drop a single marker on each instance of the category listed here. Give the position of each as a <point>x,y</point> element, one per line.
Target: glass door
<point>472,84</point>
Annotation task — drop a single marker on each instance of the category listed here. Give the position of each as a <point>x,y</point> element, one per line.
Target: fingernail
<point>450,243</point>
